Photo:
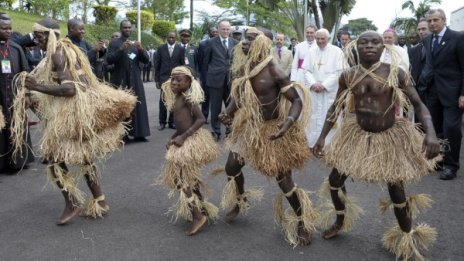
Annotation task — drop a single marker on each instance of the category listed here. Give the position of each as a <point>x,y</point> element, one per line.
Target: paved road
<point>138,229</point>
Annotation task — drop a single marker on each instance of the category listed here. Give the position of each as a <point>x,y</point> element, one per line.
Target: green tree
<point>168,10</point>
<point>207,21</point>
<point>409,24</point>
<point>81,9</point>
<point>146,19</point>
<point>161,28</point>
<point>333,11</point>
<point>357,26</point>
<point>104,15</point>
<point>57,9</point>
<point>103,2</point>
<point>282,14</point>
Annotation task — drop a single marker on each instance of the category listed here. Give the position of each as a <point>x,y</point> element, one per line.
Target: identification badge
<point>186,61</point>
<point>6,66</point>
<point>132,56</point>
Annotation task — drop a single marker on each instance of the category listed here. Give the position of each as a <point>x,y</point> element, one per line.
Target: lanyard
<point>4,50</point>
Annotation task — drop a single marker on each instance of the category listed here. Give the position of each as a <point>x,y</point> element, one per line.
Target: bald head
<point>224,29</point>
<point>370,46</point>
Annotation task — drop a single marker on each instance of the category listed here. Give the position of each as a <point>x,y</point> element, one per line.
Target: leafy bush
<point>161,28</point>
<point>104,15</point>
<point>146,19</point>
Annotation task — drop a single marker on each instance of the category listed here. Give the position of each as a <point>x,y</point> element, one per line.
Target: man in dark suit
<point>212,32</point>
<point>13,61</point>
<point>126,55</point>
<point>417,57</point>
<point>293,43</point>
<point>218,57</point>
<point>443,76</point>
<point>168,56</point>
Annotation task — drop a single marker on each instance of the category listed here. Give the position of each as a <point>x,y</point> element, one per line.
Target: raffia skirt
<point>391,156</point>
<point>274,157</point>
<point>88,125</point>
<point>183,164</point>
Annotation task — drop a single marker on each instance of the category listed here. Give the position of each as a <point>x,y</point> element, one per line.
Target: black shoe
<point>140,139</point>
<point>172,126</point>
<point>216,136</point>
<point>162,126</point>
<point>447,174</point>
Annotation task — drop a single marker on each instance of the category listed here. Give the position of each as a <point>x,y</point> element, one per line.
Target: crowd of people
<point>381,108</point>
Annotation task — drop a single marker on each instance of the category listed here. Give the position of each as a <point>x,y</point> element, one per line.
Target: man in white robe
<point>389,37</point>
<point>322,67</point>
<point>301,50</point>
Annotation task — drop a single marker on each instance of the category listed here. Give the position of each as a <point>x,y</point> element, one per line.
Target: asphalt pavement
<point>137,228</point>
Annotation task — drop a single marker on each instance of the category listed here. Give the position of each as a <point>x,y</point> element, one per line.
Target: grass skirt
<point>183,164</point>
<point>89,125</point>
<point>272,157</point>
<point>392,156</point>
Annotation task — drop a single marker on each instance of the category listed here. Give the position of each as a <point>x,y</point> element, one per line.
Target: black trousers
<point>163,112</point>
<point>216,97</point>
<point>146,73</point>
<point>447,122</point>
<point>205,104</point>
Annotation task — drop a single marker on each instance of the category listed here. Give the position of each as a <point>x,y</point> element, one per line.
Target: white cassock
<point>404,63</point>
<point>322,66</point>
<point>301,50</point>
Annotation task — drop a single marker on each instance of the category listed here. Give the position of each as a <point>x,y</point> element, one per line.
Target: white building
<point>457,19</point>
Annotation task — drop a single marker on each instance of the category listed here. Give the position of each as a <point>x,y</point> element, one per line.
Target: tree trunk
<point>316,13</point>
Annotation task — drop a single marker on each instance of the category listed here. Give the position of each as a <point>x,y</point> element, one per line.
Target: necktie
<point>435,43</point>
<point>224,44</point>
<point>422,52</point>
<point>170,51</point>
<point>279,52</point>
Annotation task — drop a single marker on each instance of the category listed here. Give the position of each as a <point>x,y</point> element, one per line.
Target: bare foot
<point>231,215</point>
<point>68,214</point>
<point>331,232</point>
<point>304,236</point>
<point>197,224</point>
